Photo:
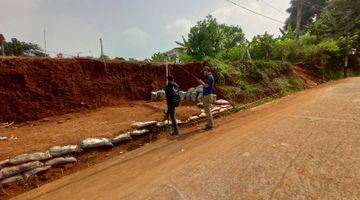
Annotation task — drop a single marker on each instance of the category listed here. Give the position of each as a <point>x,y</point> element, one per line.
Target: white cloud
<point>135,35</point>
<point>179,27</point>
<point>250,23</point>
<point>223,14</point>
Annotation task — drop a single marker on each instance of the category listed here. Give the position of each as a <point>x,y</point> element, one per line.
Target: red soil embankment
<point>33,88</point>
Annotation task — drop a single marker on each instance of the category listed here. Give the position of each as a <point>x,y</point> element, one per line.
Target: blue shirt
<point>209,80</point>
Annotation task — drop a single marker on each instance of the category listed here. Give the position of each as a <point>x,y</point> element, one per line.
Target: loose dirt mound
<point>33,88</point>
<point>309,80</point>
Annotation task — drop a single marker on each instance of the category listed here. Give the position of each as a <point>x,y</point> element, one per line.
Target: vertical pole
<point>346,57</point>
<point>167,71</point>
<point>101,46</point>
<point>298,20</point>
<point>45,43</point>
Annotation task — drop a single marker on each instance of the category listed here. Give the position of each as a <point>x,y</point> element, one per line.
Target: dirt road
<point>305,146</point>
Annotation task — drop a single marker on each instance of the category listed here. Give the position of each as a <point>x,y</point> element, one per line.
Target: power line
<point>273,7</point>
<point>257,13</point>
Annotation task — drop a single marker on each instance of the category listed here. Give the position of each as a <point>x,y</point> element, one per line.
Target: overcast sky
<point>129,28</point>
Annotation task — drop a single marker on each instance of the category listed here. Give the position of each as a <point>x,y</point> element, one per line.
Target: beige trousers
<point>207,101</point>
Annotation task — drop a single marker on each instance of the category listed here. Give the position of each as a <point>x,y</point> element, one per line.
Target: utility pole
<point>346,56</point>
<point>45,43</point>
<point>102,49</point>
<point>299,8</point>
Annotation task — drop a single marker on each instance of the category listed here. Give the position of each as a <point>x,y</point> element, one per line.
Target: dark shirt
<point>170,90</point>
<point>209,80</point>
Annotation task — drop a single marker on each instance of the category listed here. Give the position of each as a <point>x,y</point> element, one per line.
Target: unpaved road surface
<point>71,128</point>
<point>305,146</point>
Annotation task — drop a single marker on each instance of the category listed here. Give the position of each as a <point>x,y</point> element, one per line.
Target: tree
<point>341,21</point>
<point>311,10</point>
<point>158,57</point>
<point>207,38</point>
<point>18,48</point>
<point>262,46</point>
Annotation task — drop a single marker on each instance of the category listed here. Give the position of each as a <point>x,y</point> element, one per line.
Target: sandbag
<point>29,157</point>
<point>10,180</point>
<point>139,132</point>
<point>121,138</point>
<point>60,151</point>
<point>182,95</point>
<point>60,161</point>
<point>90,143</point>
<point>35,171</point>
<point>161,95</point>
<point>4,163</point>
<point>141,125</point>
<point>215,109</point>
<point>193,96</point>
<point>11,171</point>
<point>199,89</point>
<point>153,96</point>
<point>192,118</point>
<point>222,102</point>
<point>202,115</point>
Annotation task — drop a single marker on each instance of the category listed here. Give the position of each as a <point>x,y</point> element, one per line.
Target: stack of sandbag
<point>142,125</point>
<point>158,95</point>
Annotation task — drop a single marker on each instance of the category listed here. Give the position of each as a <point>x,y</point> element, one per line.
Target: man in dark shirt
<point>208,82</point>
<point>173,100</point>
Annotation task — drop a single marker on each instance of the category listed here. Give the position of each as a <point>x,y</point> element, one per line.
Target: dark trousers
<point>171,113</point>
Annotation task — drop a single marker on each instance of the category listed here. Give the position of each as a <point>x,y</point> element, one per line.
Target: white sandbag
<point>161,95</point>
<point>4,163</point>
<point>29,157</point>
<point>141,125</point>
<point>215,109</point>
<point>59,151</point>
<point>193,96</point>
<point>3,138</point>
<point>90,143</point>
<point>192,118</point>
<point>162,124</point>
<point>14,170</point>
<point>121,138</point>
<point>182,95</point>
<point>139,132</point>
<point>200,97</point>
<point>10,180</point>
<point>222,102</point>
<point>35,171</point>
<point>60,161</point>
<point>202,115</point>
<point>153,96</point>
<point>199,89</point>
<point>215,112</point>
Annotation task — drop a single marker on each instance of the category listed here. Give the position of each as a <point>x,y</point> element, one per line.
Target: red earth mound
<point>34,88</point>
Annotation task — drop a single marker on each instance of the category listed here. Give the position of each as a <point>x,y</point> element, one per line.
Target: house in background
<point>173,54</point>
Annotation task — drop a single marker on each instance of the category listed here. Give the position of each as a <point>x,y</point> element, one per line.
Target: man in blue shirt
<point>208,82</point>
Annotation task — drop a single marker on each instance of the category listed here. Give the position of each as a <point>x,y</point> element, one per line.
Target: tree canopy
<point>19,48</point>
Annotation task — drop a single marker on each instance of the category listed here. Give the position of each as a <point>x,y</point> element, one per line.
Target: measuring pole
<point>101,46</point>
<point>45,42</point>
<point>166,71</point>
